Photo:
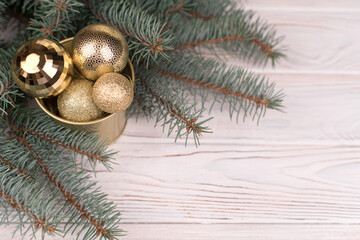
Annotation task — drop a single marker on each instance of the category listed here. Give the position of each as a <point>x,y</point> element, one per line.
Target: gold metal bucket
<point>109,127</point>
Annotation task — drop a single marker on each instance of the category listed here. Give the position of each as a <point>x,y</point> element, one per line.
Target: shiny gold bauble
<point>113,92</point>
<point>75,102</point>
<point>42,68</point>
<point>98,49</point>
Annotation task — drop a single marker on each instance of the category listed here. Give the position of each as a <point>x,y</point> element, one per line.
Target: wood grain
<point>315,42</point>
<point>320,109</point>
<point>303,5</point>
<point>293,177</point>
<point>228,231</point>
<point>227,181</point>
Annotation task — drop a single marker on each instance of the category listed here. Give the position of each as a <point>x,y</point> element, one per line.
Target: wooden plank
<point>230,182</point>
<point>308,5</point>
<point>226,231</point>
<point>243,232</point>
<point>298,167</point>
<point>316,42</point>
<point>295,168</point>
<point>320,109</point>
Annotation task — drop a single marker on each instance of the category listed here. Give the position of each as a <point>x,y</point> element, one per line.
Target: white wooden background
<point>296,176</point>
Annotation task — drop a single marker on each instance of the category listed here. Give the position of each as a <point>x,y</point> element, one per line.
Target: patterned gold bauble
<point>113,92</point>
<point>75,102</point>
<point>42,68</point>
<point>98,49</point>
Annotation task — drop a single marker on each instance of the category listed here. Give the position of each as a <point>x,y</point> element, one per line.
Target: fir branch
<point>176,7</point>
<point>175,111</point>
<point>57,23</point>
<point>70,198</point>
<point>182,7</point>
<point>20,206</point>
<point>34,207</point>
<point>208,9</point>
<point>12,167</point>
<point>216,24</point>
<point>64,177</point>
<point>238,32</point>
<point>92,211</point>
<point>224,90</point>
<point>242,90</point>
<point>9,92</point>
<point>210,41</point>
<point>170,107</point>
<point>147,38</point>
<point>17,160</point>
<point>200,16</point>
<point>93,156</point>
<point>42,127</point>
<point>169,10</point>
<point>5,90</point>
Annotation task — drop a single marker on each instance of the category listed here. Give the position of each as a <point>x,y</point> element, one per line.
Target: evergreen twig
<point>240,33</point>
<point>169,106</point>
<point>147,38</point>
<point>68,196</point>
<point>54,19</point>
<point>27,197</point>
<point>38,221</point>
<point>241,89</point>
<point>9,92</point>
<point>86,204</point>
<point>43,128</point>
<point>12,167</point>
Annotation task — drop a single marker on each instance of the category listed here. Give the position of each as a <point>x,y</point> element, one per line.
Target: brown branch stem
<point>175,111</point>
<point>211,41</point>
<point>176,7</point>
<point>38,221</point>
<point>70,198</point>
<point>51,177</point>
<point>198,15</point>
<point>264,48</point>
<point>7,90</point>
<point>92,156</point>
<point>179,7</point>
<point>226,91</point>
<point>11,166</point>
<point>48,31</point>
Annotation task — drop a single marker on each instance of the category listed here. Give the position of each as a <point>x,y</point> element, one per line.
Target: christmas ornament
<point>75,102</point>
<point>98,49</point>
<point>42,68</point>
<point>113,92</point>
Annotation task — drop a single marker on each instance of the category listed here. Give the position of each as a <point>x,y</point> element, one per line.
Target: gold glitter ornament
<point>42,68</point>
<point>75,102</point>
<point>113,92</point>
<point>98,49</point>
